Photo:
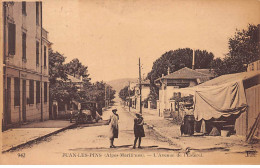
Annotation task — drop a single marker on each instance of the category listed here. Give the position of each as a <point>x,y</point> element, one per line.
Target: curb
<point>39,138</point>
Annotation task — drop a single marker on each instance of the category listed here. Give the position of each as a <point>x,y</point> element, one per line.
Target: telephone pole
<point>129,90</point>
<point>108,96</point>
<point>105,96</point>
<point>140,85</point>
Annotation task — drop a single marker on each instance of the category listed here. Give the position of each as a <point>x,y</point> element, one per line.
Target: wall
<point>26,69</point>
<point>245,121</point>
<point>26,24</point>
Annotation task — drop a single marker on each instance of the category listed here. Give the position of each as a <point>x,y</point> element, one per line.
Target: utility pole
<point>109,96</point>
<point>105,96</point>
<point>129,90</point>
<point>193,59</point>
<point>140,85</point>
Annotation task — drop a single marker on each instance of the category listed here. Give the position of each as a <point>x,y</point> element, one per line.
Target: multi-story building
<point>25,63</point>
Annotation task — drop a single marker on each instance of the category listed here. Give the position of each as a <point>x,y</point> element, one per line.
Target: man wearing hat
<point>113,131</point>
<point>138,129</point>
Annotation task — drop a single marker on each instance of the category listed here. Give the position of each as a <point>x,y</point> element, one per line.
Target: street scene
<point>122,82</point>
<point>85,141</point>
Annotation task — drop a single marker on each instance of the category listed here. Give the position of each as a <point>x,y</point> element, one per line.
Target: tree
<point>60,88</point>
<point>56,67</point>
<point>64,91</point>
<point>175,60</point>
<point>77,69</point>
<point>96,92</point>
<point>243,49</point>
<point>124,93</point>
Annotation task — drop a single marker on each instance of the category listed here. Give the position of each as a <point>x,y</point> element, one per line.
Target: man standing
<point>113,123</point>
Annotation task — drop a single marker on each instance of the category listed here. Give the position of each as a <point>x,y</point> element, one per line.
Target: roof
<point>221,80</point>
<point>209,72</point>
<point>71,79</point>
<point>187,73</point>
<point>231,77</point>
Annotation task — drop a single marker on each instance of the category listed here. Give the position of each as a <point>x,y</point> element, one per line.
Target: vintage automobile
<point>87,113</point>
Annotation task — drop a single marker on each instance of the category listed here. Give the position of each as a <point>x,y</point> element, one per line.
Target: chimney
<point>168,71</point>
<point>193,59</point>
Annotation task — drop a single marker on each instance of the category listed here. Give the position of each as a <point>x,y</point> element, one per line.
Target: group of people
<point>138,128</point>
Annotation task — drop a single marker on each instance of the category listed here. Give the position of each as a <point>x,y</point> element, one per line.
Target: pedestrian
<point>113,123</point>
<point>138,129</point>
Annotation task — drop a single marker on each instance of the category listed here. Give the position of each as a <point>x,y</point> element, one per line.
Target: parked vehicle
<point>87,113</point>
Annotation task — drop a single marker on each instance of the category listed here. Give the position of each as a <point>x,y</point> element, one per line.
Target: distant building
<point>26,75</point>
<point>135,99</point>
<point>77,81</point>
<point>145,84</point>
<point>168,85</point>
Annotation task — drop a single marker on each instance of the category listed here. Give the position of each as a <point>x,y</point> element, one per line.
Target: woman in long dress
<point>138,129</point>
<point>113,131</point>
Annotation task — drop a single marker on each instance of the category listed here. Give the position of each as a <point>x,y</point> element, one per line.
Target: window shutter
<point>11,38</point>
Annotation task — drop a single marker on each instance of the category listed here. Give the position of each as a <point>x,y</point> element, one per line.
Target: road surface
<point>87,140</point>
<point>90,145</point>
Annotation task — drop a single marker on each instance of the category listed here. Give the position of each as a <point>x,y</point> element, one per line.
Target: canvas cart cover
<point>221,96</point>
<point>220,100</point>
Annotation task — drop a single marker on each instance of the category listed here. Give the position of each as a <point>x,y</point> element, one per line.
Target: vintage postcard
<point>139,82</point>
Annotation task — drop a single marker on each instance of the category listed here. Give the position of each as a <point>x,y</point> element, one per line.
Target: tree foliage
<point>62,90</point>
<point>243,49</point>
<point>124,93</point>
<point>175,60</point>
<point>77,69</point>
<point>56,67</point>
<point>96,92</point>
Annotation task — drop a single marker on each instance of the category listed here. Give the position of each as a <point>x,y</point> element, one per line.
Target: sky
<point>109,36</point>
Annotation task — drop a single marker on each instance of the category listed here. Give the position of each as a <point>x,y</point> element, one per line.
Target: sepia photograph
<point>130,82</point>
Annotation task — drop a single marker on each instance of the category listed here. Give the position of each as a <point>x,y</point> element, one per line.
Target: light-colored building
<point>25,52</point>
<point>145,84</point>
<point>170,84</point>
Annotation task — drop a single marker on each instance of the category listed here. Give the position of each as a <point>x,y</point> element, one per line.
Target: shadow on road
<point>126,147</point>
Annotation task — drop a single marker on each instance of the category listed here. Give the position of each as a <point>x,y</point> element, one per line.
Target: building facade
<point>170,84</point>
<point>25,63</point>
<point>135,99</point>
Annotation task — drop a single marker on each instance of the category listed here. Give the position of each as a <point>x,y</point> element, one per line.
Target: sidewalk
<point>17,137</point>
<point>169,130</point>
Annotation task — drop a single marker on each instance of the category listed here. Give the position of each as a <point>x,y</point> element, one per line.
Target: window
<point>38,92</point>
<point>45,92</point>
<point>24,46</point>
<point>45,57</point>
<point>11,39</point>
<point>37,13</point>
<point>16,91</point>
<point>37,53</point>
<point>31,94</point>
<point>24,8</point>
